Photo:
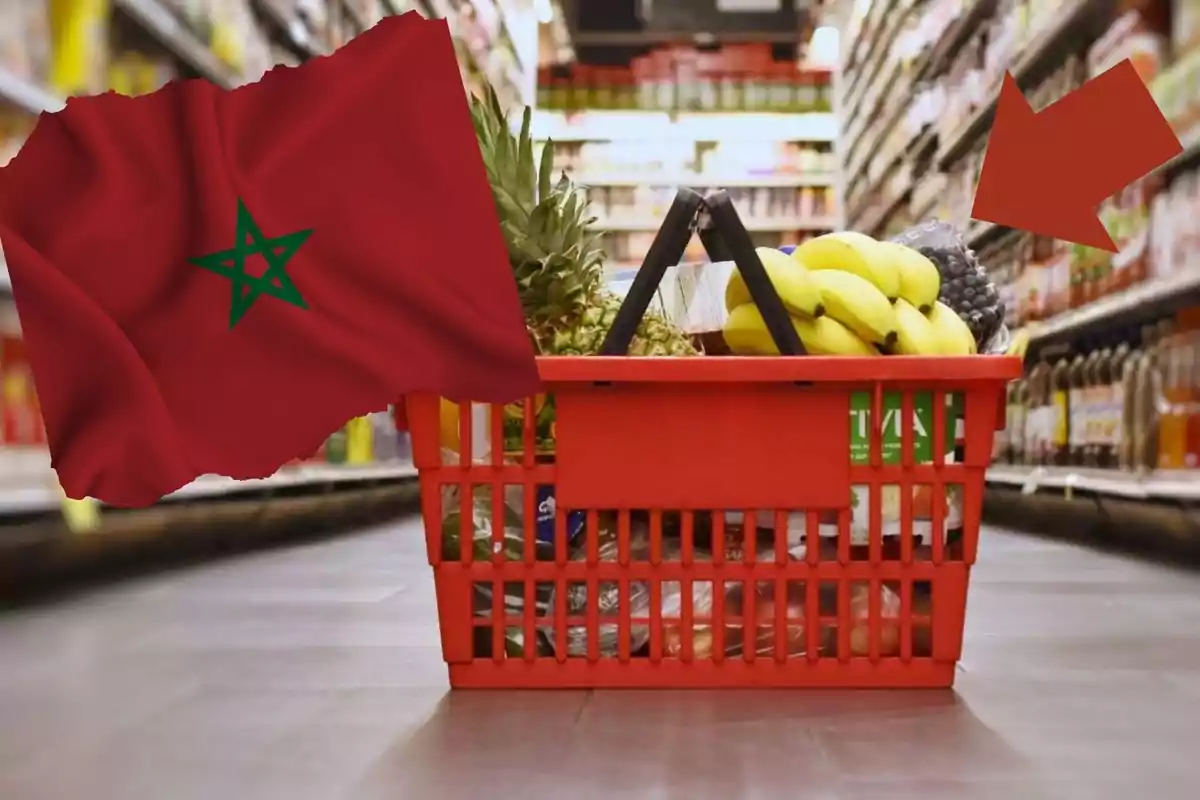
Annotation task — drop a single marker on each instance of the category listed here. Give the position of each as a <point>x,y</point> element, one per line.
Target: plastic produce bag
<point>966,286</point>
<point>512,541</point>
<point>860,617</point>
<point>762,638</point>
<point>512,544</point>
<point>608,595</point>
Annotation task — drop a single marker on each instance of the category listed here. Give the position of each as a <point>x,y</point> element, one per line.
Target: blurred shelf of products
<point>733,117</point>
<point>1110,404</point>
<point>53,49</point>
<point>919,102</point>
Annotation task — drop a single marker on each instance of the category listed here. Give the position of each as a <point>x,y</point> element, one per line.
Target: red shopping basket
<point>714,521</point>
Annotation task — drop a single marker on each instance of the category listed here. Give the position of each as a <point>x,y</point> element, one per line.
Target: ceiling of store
<point>614,31</point>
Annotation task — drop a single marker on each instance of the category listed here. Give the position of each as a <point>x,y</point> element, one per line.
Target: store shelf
<point>863,40</point>
<point>1156,485</point>
<point>953,39</point>
<point>867,78</point>
<point>651,224</point>
<point>589,126</point>
<point>935,60</point>
<point>692,179</point>
<point>307,475</point>
<point>30,486</point>
<point>1190,155</point>
<point>1074,20</point>
<point>873,224</point>
<point>360,20</point>
<point>295,33</point>
<point>164,26</point>
<point>981,233</point>
<point>27,95</point>
<point>1144,298</point>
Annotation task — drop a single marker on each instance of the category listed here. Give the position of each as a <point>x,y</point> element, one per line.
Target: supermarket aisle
<point>314,673</point>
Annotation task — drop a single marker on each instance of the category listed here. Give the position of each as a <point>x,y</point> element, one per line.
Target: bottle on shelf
<point>1178,376</point>
<point>1013,446</point>
<point>1039,426</point>
<point>1091,402</point>
<point>1102,454</point>
<point>1060,413</point>
<point>1148,387</point>
<point>1078,403</point>
<point>1130,375</point>
<point>1020,455</point>
<point>1115,412</point>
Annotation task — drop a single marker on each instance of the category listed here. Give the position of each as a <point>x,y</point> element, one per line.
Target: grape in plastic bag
<point>966,287</point>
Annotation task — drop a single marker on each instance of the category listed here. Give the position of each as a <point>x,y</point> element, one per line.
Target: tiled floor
<point>314,673</point>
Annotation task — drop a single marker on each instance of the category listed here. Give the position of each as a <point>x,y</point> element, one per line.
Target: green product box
<point>892,439</point>
<point>889,495</point>
<point>336,446</point>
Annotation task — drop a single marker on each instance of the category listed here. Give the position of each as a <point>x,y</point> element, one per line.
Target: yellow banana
<point>791,282</point>
<point>746,334</point>
<point>920,280</point>
<point>916,336</point>
<point>856,253</point>
<point>857,304</point>
<point>1019,344</point>
<point>955,336</point>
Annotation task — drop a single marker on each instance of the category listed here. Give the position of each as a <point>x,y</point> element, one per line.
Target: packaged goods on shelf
<point>25,39</point>
<point>672,162</point>
<point>20,413</point>
<point>1185,26</point>
<point>613,204</point>
<point>79,45</point>
<point>735,78</point>
<point>368,12</point>
<point>1175,227</point>
<point>132,73</point>
<point>15,127</point>
<point>1135,37</point>
<point>1128,400</point>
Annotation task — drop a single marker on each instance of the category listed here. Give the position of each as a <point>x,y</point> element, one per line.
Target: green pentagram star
<point>275,282</point>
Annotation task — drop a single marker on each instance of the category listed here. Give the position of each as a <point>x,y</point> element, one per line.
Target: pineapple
<point>554,255</point>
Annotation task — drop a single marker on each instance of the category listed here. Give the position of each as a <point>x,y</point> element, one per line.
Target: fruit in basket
<point>554,254</point>
<point>966,287</point>
<point>746,334</point>
<point>512,418</point>
<point>915,334</point>
<point>448,424</point>
<point>857,304</point>
<point>790,279</point>
<point>955,336</point>
<point>920,281</point>
<point>857,253</point>
<point>889,620</point>
<point>655,335</point>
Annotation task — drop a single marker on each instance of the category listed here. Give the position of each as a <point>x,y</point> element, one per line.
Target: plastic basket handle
<point>665,251</point>
<point>726,226</point>
<point>721,233</point>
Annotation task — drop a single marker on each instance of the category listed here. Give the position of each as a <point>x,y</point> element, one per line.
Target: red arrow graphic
<point>1047,172</point>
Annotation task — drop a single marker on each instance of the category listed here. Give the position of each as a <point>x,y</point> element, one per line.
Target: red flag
<point>212,282</point>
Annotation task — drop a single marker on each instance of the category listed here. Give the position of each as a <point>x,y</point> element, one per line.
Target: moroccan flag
<point>212,281</point>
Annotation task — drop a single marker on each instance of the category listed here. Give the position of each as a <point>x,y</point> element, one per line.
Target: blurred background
<point>815,115</point>
<point>869,115</point>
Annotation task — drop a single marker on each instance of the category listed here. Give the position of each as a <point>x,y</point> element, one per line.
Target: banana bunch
<point>849,294</point>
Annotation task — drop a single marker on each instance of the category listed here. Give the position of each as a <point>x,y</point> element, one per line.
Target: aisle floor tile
<point>315,672</point>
